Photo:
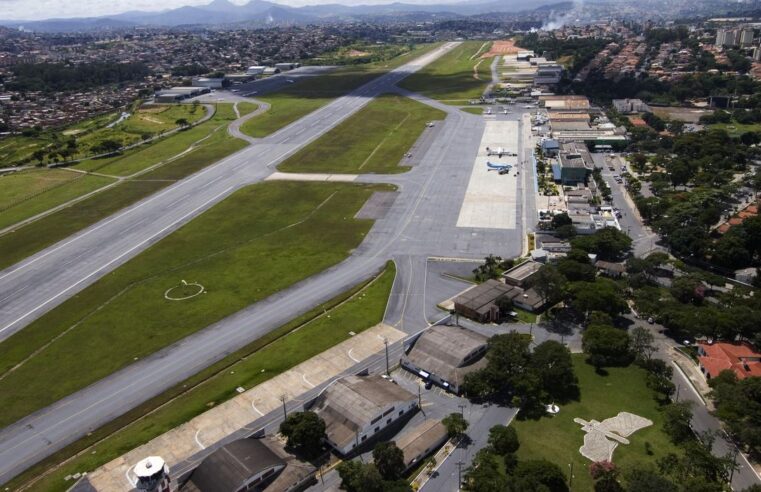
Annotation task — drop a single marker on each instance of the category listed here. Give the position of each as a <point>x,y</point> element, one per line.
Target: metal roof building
<point>357,408</point>
<point>478,302</point>
<point>239,465</point>
<point>445,354</point>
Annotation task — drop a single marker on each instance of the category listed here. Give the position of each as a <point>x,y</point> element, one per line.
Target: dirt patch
<point>356,53</point>
<point>151,120</point>
<point>498,48</point>
<point>688,115</point>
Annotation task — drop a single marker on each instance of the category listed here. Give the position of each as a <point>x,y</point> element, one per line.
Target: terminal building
<point>445,354</point>
<point>357,409</point>
<point>575,164</point>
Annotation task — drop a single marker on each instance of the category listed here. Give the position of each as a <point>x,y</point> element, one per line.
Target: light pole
<point>734,463</point>
<point>570,477</point>
<point>385,342</point>
<point>282,399</point>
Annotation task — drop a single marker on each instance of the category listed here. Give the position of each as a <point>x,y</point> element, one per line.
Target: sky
<point>47,9</point>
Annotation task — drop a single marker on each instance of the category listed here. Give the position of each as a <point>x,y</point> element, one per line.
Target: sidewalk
<point>692,371</point>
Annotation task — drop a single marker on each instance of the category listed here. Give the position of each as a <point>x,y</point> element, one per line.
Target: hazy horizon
<point>32,10</point>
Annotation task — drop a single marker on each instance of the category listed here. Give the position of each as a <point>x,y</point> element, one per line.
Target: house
<point>550,147</point>
<point>521,275</point>
<point>529,300</point>
<point>610,269</point>
<point>356,409</point>
<point>739,358</point>
<point>445,354</point>
<point>479,303</point>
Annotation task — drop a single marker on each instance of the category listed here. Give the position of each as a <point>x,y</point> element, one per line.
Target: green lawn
<point>301,98</point>
<point>373,140</point>
<point>736,129</point>
<point>245,108</point>
<point>239,258</point>
<point>28,193</point>
<point>57,226</point>
<point>142,157</point>
<point>451,78</point>
<point>325,326</point>
<point>474,110</point>
<point>559,438</point>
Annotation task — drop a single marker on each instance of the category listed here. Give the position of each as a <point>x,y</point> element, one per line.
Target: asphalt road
<point>45,280</point>
<point>41,282</point>
<point>421,223</point>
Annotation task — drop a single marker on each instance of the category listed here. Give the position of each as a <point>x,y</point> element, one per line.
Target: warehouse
<point>479,303</point>
<point>356,409</point>
<point>445,354</point>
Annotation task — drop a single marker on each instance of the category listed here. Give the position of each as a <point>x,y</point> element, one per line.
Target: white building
<point>356,409</point>
<point>746,38</point>
<point>255,70</point>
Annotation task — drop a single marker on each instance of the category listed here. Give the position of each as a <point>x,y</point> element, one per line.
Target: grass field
<point>27,193</point>
<point>300,99</point>
<point>559,438</point>
<point>48,230</point>
<point>139,158</point>
<point>474,110</point>
<point>736,129</point>
<point>245,108</point>
<point>451,78</point>
<point>124,315</point>
<point>327,325</point>
<point>373,140</point>
<point>149,120</point>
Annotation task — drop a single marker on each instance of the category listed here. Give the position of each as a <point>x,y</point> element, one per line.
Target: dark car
<point>428,384</point>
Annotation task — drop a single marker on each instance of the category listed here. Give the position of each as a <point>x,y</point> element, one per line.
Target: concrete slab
<point>340,178</point>
<point>377,206</point>
<point>491,199</point>
<point>181,443</point>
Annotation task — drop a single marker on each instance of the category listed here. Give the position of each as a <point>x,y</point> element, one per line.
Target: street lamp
<point>385,342</point>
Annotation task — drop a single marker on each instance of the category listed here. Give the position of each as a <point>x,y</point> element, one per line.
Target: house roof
<point>483,295</point>
<point>523,271</point>
<point>610,266</point>
<point>421,440</point>
<point>232,465</point>
<point>737,357</point>
<point>442,350</point>
<point>353,402</point>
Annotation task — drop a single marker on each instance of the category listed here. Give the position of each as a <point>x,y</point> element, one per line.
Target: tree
<point>549,284</point>
<point>608,243</point>
<point>533,474</point>
<point>561,219</point>
<point>358,477</point>
<point>642,343</point>
<point>490,269</point>
<point>676,422</point>
<point>304,432</point>
<point>503,440</point>
<point>485,475</point>
<point>551,362</point>
<point>606,346</point>
<point>389,460</point>
<point>505,306</point>
<point>605,475</point>
<point>38,155</point>
<point>647,480</point>
<point>602,295</point>
<point>738,405</point>
<point>456,425</point>
<point>182,122</point>
<point>107,146</point>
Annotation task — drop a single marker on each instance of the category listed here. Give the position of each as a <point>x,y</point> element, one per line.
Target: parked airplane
<point>501,168</point>
<point>500,152</point>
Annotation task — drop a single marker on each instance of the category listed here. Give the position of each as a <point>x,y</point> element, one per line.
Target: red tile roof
<point>737,357</point>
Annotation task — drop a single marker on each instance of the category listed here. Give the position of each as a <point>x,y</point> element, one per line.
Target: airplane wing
<point>498,166</point>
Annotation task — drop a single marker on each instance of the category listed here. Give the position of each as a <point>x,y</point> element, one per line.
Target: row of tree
<point>57,77</point>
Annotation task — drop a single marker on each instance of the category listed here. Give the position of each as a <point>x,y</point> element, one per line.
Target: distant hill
<point>263,12</point>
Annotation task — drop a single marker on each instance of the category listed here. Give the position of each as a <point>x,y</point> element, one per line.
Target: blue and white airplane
<point>501,168</point>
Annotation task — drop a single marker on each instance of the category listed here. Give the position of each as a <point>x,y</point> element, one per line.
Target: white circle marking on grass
<point>183,283</point>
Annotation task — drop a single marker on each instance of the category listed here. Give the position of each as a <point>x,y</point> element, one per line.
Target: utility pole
<point>734,463</point>
<point>385,342</point>
<point>678,387</point>
<point>459,474</point>
<point>570,478</point>
<point>282,399</point>
<point>462,410</point>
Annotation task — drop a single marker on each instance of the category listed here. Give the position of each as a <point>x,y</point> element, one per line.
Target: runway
<point>421,222</point>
